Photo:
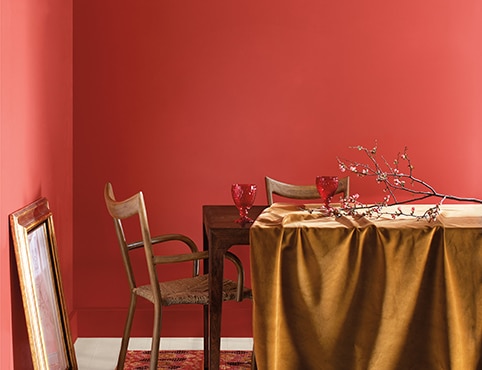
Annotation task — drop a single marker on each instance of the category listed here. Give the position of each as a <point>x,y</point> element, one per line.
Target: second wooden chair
<point>307,192</point>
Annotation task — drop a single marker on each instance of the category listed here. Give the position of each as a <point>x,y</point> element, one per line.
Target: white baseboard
<point>242,344</point>
<point>192,343</point>
<point>101,353</point>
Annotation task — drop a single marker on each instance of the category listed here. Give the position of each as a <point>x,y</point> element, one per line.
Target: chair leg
<point>206,336</point>
<point>156,336</point>
<point>127,332</point>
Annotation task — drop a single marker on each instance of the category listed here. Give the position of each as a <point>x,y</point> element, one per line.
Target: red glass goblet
<point>327,186</point>
<point>243,196</point>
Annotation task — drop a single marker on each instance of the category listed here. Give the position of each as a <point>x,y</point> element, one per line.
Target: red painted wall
<point>36,129</point>
<point>182,98</point>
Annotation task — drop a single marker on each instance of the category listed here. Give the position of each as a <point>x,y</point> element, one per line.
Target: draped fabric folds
<point>339,293</point>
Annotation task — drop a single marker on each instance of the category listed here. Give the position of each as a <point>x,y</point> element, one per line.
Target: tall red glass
<point>243,196</point>
<point>327,186</point>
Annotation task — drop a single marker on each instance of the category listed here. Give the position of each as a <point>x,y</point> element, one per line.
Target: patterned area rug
<point>230,360</point>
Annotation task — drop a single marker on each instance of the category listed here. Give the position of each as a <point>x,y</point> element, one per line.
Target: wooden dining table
<point>347,293</point>
<point>220,232</point>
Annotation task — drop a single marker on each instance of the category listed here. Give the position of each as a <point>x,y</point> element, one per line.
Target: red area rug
<point>230,360</point>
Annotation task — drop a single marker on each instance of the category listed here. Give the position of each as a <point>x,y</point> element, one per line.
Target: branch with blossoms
<point>352,207</point>
<point>395,177</point>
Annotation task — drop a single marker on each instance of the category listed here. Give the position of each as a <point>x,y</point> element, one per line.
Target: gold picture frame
<point>41,286</point>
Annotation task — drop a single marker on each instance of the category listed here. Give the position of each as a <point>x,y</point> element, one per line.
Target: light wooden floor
<point>101,353</point>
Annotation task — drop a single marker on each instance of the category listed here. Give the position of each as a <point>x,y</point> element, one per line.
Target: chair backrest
<point>121,210</point>
<point>307,192</point>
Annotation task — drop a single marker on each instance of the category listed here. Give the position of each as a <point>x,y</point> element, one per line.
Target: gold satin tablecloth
<point>363,294</point>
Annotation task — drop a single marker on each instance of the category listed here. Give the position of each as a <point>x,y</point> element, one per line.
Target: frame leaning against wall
<point>42,294</point>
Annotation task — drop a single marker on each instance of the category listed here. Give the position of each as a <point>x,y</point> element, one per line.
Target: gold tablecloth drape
<point>363,294</point>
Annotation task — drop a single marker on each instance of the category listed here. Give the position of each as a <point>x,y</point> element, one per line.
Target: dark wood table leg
<point>207,337</point>
<point>216,269</point>
<point>220,232</point>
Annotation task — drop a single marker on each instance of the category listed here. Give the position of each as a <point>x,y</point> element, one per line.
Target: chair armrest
<point>174,258</point>
<point>166,238</point>
<point>173,237</point>
<point>194,256</point>
<point>239,267</point>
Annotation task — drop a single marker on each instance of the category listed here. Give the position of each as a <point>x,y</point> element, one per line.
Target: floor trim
<point>101,353</point>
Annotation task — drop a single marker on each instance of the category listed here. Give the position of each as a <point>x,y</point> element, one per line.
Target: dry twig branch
<point>394,181</point>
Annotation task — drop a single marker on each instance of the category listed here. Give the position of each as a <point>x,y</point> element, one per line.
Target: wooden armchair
<point>190,290</point>
<point>307,192</point>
